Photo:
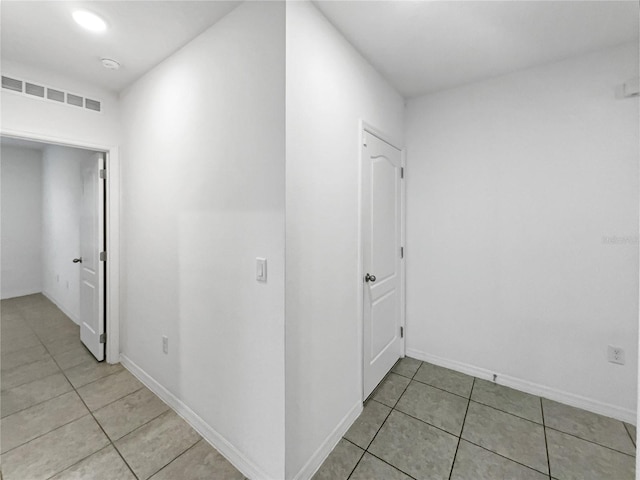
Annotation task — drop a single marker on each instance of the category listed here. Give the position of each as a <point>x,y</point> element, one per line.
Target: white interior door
<point>92,326</point>
<point>381,234</point>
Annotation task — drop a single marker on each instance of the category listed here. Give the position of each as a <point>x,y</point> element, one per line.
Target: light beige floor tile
<point>90,372</point>
<point>414,447</point>
<point>372,468</point>
<point>632,431</point>
<point>390,390</point>
<point>475,463</point>
<point>25,425</point>
<point>513,437</point>
<point>445,379</point>
<point>125,415</point>
<point>23,356</point>
<point>434,406</point>
<point>32,393</point>
<point>572,458</point>
<point>407,367</point>
<point>103,465</point>
<point>508,400</point>
<point>368,423</point>
<point>589,426</point>
<point>340,462</point>
<point>109,389</point>
<point>63,345</point>
<point>54,452</point>
<point>29,372</point>
<point>73,357</point>
<point>13,343</point>
<point>201,462</point>
<point>157,443</point>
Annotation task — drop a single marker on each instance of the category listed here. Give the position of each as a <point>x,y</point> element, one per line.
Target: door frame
<point>112,224</point>
<point>363,128</point>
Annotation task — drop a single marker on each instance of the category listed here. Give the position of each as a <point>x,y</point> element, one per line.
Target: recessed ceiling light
<point>89,20</point>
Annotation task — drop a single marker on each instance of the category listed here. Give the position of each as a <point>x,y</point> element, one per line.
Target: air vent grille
<point>33,89</point>
<point>52,94</point>
<point>11,84</point>
<point>55,95</point>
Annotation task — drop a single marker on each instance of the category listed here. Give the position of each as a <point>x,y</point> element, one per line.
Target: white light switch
<point>261,269</point>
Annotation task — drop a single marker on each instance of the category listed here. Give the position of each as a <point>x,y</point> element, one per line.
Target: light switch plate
<point>261,269</point>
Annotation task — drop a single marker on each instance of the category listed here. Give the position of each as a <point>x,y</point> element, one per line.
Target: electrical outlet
<point>616,355</point>
<point>165,344</point>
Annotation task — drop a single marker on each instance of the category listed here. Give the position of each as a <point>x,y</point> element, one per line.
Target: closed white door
<point>381,234</point>
<point>92,326</point>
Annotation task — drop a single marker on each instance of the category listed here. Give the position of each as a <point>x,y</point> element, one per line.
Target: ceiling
<point>140,35</point>
<point>419,46</point>
<point>425,46</point>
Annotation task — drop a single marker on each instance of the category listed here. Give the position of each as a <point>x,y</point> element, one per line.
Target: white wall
<point>37,118</point>
<point>21,218</point>
<point>513,186</point>
<point>62,196</point>
<point>329,88</point>
<point>203,196</point>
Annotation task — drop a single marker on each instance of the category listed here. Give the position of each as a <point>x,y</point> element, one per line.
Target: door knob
<point>77,260</point>
<point>370,278</point>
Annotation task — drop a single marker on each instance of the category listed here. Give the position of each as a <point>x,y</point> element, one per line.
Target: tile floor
<point>428,423</point>
<point>66,416</point>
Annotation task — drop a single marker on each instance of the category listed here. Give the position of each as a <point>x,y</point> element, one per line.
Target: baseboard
<point>19,293</point>
<point>567,398</point>
<point>226,449</point>
<point>64,310</point>
<point>321,454</point>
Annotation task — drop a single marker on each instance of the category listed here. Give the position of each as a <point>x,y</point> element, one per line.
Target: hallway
<point>66,416</point>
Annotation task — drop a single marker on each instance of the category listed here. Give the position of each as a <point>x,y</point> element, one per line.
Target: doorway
<point>76,209</point>
<point>382,256</point>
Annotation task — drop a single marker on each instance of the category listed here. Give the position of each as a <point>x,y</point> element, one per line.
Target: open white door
<point>381,237</point>
<point>92,327</point>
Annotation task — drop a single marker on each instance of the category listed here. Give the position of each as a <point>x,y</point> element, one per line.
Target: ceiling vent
<point>34,90</point>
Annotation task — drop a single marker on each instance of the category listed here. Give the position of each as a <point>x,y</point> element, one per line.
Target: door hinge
<point>401,172</point>
<point>103,338</point>
<point>103,256</point>
<point>401,252</point>
<point>401,332</point>
<point>103,173</point>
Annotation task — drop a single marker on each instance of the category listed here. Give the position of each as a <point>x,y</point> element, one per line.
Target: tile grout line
<point>546,442</point>
<point>453,462</point>
<point>633,440</point>
<point>177,457</point>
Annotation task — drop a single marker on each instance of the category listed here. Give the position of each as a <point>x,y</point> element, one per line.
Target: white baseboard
<point>226,449</point>
<point>7,294</point>
<point>321,454</point>
<point>567,398</point>
<point>58,304</point>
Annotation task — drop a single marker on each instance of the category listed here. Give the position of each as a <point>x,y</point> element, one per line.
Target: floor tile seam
<point>107,376</point>
<point>190,448</point>
<point>79,461</point>
<point>39,403</point>
<point>357,463</point>
<point>105,434</point>
<point>2,371</point>
<point>546,442</point>
<point>591,442</point>
<point>508,413</point>
<point>633,440</point>
<point>455,455</point>
<point>442,389</point>
<point>180,454</point>
<point>118,399</point>
<point>390,464</point>
<point>33,380</point>
<point>47,433</point>
<point>427,423</point>
<point>140,426</point>
<point>92,381</point>
<point>388,414</point>
<point>504,456</point>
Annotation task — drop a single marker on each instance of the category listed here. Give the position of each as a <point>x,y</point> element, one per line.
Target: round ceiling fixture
<point>89,20</point>
<point>110,64</point>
